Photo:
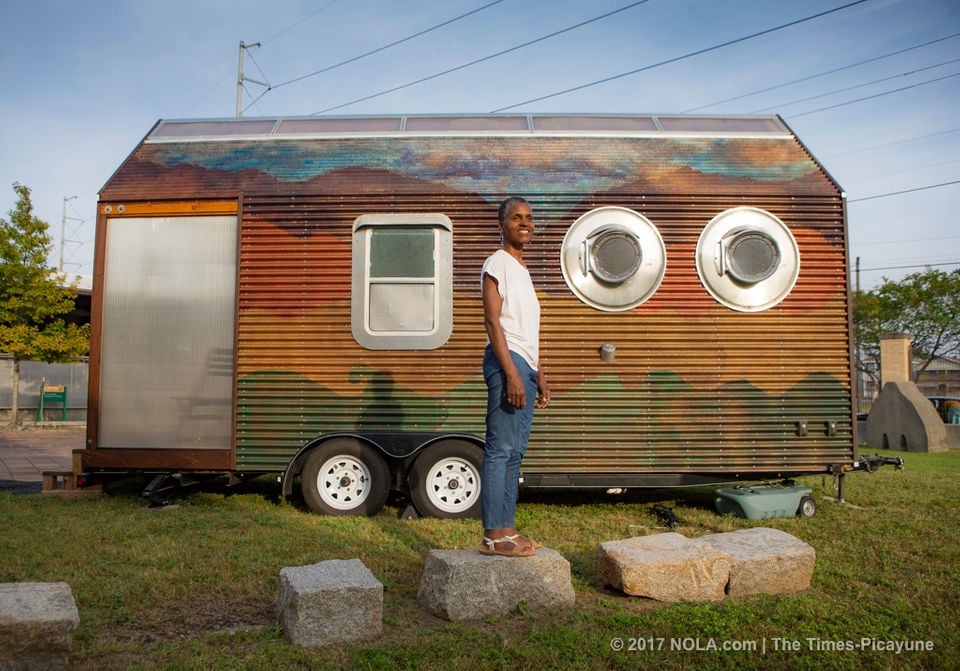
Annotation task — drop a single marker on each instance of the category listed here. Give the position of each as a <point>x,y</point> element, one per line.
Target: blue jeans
<point>508,429</point>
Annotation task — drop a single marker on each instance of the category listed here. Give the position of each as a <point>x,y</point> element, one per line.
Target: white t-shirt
<point>520,314</point>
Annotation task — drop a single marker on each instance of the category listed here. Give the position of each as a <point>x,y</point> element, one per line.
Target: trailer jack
<point>162,486</point>
<point>863,464</point>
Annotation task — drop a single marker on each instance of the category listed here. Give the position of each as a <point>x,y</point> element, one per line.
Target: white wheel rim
<point>343,482</point>
<point>453,485</point>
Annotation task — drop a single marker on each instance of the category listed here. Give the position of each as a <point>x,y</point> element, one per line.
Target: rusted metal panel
<point>695,387</point>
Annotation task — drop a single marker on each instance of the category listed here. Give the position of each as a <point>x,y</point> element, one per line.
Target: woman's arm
<point>492,305</point>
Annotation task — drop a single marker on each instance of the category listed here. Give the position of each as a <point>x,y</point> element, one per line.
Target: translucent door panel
<point>169,292</point>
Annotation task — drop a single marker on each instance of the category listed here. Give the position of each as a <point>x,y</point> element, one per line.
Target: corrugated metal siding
<point>695,388</point>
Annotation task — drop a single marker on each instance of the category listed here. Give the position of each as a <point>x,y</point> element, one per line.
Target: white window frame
<point>442,281</point>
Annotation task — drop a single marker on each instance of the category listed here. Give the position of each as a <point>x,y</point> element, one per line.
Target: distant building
<point>80,314</point>
<point>941,378</point>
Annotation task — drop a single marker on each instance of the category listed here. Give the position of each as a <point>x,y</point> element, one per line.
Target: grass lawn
<point>193,587</point>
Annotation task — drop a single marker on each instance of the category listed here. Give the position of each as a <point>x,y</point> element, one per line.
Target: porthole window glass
<point>615,255</point>
<point>747,259</point>
<point>751,256</point>
<point>402,281</point>
<point>613,258</point>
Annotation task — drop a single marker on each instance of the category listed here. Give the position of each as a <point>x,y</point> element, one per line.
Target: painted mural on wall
<point>690,377</point>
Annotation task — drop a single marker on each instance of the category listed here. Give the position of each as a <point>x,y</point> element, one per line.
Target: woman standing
<point>515,380</point>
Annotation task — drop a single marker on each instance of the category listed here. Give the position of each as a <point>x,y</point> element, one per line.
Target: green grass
<point>193,587</point>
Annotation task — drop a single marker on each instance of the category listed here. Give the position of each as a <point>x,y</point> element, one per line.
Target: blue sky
<point>83,82</point>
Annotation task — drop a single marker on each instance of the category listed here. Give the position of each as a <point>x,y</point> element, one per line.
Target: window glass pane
<point>594,123</point>
<point>347,125</point>
<point>401,252</point>
<point>401,307</point>
<point>402,281</point>
<point>476,123</point>
<point>214,128</point>
<point>717,125</point>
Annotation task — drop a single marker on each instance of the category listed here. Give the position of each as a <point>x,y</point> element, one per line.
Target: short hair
<point>507,205</point>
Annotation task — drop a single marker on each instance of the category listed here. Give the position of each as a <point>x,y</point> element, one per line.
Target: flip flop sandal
<point>488,547</point>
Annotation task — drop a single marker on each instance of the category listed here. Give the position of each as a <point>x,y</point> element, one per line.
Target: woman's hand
<point>543,391</point>
<point>516,392</point>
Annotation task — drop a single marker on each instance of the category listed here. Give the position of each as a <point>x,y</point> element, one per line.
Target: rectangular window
<point>402,281</point>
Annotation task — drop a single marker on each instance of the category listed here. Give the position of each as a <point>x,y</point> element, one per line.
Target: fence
<point>72,376</point>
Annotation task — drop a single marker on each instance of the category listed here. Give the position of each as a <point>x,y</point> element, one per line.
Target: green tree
<point>924,305</point>
<point>33,298</point>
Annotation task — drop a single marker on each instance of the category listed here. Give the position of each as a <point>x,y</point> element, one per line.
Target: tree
<point>924,305</point>
<point>33,298</point>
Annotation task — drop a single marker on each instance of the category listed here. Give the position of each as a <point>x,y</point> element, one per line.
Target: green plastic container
<point>761,502</point>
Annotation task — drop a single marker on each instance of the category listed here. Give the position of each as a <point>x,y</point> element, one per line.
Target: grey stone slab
<point>37,623</point>
<point>329,602</point>
<point>466,585</point>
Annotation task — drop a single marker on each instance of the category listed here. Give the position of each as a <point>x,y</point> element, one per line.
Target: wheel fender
<point>466,437</point>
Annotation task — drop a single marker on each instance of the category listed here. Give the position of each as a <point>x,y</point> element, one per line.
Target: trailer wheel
<point>808,507</point>
<point>345,477</point>
<point>445,480</point>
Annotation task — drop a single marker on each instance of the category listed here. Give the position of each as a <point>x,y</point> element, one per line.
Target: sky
<point>871,88</point>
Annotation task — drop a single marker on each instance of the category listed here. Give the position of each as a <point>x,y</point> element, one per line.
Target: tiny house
<point>301,297</point>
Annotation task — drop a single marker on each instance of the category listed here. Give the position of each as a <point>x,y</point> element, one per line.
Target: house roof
<point>484,155</point>
<point>634,125</point>
<point>944,363</point>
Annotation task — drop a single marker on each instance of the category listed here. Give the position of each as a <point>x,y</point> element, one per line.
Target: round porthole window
<point>747,259</point>
<point>615,255</point>
<point>613,258</point>
<point>751,256</point>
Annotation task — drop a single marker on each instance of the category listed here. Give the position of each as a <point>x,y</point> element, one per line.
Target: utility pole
<point>241,78</point>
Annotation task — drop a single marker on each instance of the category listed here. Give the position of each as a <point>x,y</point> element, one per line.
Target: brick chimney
<point>895,358</point>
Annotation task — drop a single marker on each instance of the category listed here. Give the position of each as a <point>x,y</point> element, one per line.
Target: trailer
<point>301,297</point>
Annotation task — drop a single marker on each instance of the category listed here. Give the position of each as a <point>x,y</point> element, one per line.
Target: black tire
<point>345,477</point>
<point>808,507</point>
<point>445,480</point>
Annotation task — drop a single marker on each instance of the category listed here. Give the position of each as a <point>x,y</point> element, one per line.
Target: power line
<point>877,95</point>
<point>900,172</point>
<point>897,193</point>
<point>919,265</point>
<point>270,39</point>
<point>900,242</point>
<point>298,23</point>
<point>680,58</point>
<point>856,86</point>
<point>379,49</point>
<point>891,144</point>
<point>821,74</point>
<point>486,58</point>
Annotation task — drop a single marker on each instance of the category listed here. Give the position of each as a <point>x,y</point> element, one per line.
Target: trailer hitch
<point>868,464</point>
<point>872,464</point>
<point>865,464</point>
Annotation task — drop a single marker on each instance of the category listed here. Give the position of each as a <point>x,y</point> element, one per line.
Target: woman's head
<point>506,207</point>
